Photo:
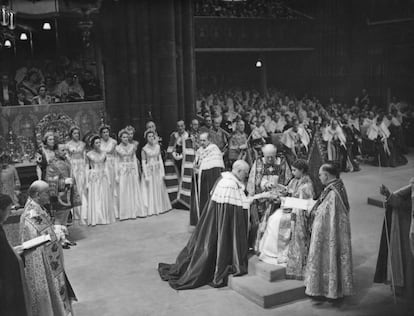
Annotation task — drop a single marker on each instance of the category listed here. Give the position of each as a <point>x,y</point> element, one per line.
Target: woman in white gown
<point>286,239</point>
<point>153,171</point>
<point>131,204</point>
<point>100,211</point>
<point>108,145</point>
<point>77,158</point>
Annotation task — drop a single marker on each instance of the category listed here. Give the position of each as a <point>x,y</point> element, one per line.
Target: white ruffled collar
<point>230,175</point>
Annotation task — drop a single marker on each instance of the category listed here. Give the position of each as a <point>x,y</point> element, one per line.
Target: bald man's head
<point>240,170</point>
<point>269,150</point>
<point>39,192</point>
<point>269,153</point>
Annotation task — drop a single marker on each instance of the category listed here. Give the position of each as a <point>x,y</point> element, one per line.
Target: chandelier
<point>7,26</point>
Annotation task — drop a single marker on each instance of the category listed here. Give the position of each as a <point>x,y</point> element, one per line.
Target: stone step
<point>268,272</point>
<point>376,201</point>
<point>267,294</point>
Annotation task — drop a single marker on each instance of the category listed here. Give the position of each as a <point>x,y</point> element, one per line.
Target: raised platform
<point>268,272</point>
<point>268,294</point>
<point>266,285</point>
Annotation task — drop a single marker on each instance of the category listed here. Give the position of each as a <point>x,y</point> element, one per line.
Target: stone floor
<point>113,268</point>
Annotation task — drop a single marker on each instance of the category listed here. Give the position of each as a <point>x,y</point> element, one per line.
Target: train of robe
<point>218,246</point>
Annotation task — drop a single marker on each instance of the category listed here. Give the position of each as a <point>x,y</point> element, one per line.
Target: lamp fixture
<point>258,64</point>
<point>23,37</point>
<point>7,43</point>
<point>7,18</point>
<point>46,26</point>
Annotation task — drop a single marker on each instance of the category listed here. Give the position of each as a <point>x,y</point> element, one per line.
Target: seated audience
<point>21,98</point>
<point>69,90</point>
<point>42,97</point>
<point>31,84</point>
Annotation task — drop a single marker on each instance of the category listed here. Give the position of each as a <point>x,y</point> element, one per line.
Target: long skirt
<point>274,245</point>
<point>100,211</point>
<point>114,188</point>
<point>130,193</point>
<point>157,195</point>
<point>79,173</point>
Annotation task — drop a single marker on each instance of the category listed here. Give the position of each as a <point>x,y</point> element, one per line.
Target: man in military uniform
<point>63,191</point>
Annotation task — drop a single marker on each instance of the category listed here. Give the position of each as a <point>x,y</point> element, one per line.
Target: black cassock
<point>218,246</point>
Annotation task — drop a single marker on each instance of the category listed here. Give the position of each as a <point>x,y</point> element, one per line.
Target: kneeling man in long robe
<point>329,265</point>
<point>218,246</point>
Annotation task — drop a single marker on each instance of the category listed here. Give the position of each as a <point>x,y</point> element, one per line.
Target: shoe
<point>71,243</point>
<point>65,246</point>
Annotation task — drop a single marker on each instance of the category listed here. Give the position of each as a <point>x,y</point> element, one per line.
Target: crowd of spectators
<point>351,132</point>
<point>48,82</point>
<point>244,8</point>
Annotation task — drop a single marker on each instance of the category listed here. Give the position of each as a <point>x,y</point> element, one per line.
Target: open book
<point>36,242</point>
<point>302,204</point>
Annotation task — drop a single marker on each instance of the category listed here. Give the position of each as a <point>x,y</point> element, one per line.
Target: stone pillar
<point>148,53</point>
